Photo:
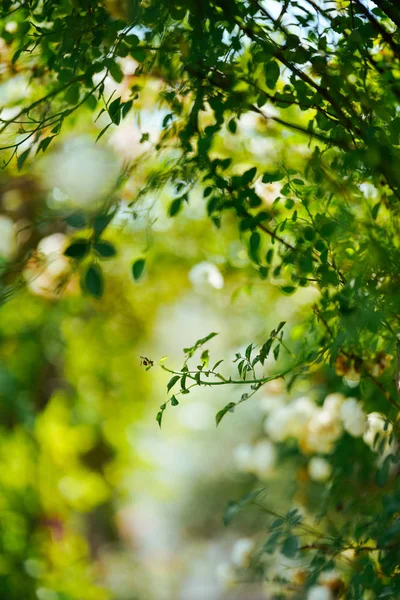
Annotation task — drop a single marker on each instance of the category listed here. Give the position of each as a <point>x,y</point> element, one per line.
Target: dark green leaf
<point>78,249</point>
<point>175,207</point>
<point>22,158</point>
<point>93,280</point>
<point>228,408</point>
<point>76,220</point>
<point>290,546</point>
<point>272,73</point>
<point>105,249</point>
<point>234,508</point>
<point>101,222</point>
<point>172,382</point>
<point>138,268</point>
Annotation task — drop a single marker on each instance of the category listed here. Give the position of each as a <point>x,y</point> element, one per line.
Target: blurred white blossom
<point>369,190</point>
<point>258,459</point>
<point>51,248</point>
<point>8,238</point>
<point>206,273</point>
<point>242,552</point>
<point>45,273</point>
<point>289,420</point>
<point>319,592</point>
<point>329,577</point>
<point>243,455</point>
<point>333,402</point>
<point>226,575</point>
<point>81,173</point>
<point>323,430</point>
<point>319,469</point>
<point>354,418</point>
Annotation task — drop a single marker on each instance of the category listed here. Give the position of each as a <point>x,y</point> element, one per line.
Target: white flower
<point>83,172</point>
<point>263,459</point>
<point>205,273</point>
<point>332,404</point>
<point>323,431</point>
<point>369,190</point>
<point>319,592</point>
<point>352,378</point>
<point>376,424</point>
<point>45,274</point>
<point>11,27</point>
<point>8,238</point>
<point>242,551</point>
<point>302,411</point>
<point>268,192</point>
<point>290,420</point>
<point>354,418</point>
<point>226,575</point>
<point>242,456</point>
<point>258,459</point>
<point>285,568</point>
<point>277,423</point>
<point>319,469</point>
<point>51,249</point>
<point>329,577</point>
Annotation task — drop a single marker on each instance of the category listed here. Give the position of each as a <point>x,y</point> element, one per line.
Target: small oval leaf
<point>138,268</point>
<point>93,281</point>
<point>105,249</point>
<point>77,249</point>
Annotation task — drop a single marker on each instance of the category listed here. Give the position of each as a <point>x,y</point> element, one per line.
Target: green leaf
<point>172,382</point>
<point>159,417</point>
<point>76,220</point>
<point>254,245</point>
<point>44,143</point>
<point>138,268</point>
<point>139,54</point>
<point>375,210</point>
<point>272,542</point>
<point>105,249</point>
<point>265,350</point>
<point>232,126</point>
<point>272,73</point>
<point>220,415</point>
<point>327,229</point>
<point>101,222</point>
<point>288,289</point>
<point>115,71</point>
<point>290,546</point>
<point>78,249</point>
<point>281,324</point>
<point>114,111</point>
<point>22,158</point>
<point>248,176</point>
<point>174,401</point>
<point>175,207</point>
<point>93,280</point>
<point>233,508</point>
<point>271,177</point>
<point>199,343</point>
<point>102,132</point>
<point>16,55</point>
<point>72,94</point>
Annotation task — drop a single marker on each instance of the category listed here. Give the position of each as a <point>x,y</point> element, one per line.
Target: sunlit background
<point>96,501</point>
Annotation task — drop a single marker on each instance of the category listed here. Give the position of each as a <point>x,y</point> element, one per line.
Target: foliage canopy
<point>321,74</point>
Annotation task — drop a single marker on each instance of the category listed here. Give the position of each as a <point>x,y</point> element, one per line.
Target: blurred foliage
<point>252,146</point>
